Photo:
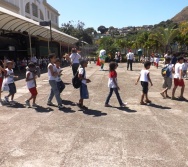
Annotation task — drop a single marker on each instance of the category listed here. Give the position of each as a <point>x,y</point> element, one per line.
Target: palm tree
<point>164,36</point>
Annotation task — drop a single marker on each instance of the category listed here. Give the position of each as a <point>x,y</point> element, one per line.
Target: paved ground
<point>136,136</point>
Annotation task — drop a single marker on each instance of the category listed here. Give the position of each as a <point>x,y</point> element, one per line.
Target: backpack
<point>165,72</point>
<point>76,81</point>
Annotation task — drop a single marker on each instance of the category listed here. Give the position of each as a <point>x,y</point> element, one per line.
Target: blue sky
<point>117,13</point>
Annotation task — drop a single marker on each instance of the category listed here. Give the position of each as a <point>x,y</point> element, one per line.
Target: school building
<point>22,35</point>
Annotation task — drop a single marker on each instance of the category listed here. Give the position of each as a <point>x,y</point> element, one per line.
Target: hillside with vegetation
<point>181,16</point>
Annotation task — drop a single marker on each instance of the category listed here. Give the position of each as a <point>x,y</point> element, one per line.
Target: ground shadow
<point>95,113</point>
<point>67,110</point>
<point>68,102</point>
<point>159,106</point>
<point>43,109</point>
<point>126,109</point>
<point>16,105</point>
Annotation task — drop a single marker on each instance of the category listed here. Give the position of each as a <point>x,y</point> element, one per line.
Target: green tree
<point>164,36</point>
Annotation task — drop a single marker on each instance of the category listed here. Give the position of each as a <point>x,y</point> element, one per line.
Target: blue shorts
<point>84,94</point>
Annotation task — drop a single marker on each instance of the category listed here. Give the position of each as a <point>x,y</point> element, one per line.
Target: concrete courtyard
<point>155,135</point>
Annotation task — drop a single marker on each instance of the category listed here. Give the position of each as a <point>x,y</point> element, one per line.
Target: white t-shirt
<point>75,58</point>
<point>130,56</point>
<point>58,79</point>
<point>167,56</point>
<point>178,67</point>
<point>156,59</point>
<point>151,59</point>
<point>31,83</point>
<point>144,75</point>
<point>81,71</point>
<point>10,79</point>
<point>50,77</point>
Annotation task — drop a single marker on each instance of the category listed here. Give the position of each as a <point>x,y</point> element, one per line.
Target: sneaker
<point>27,103</point>
<point>107,105</point>
<point>6,99</point>
<point>123,105</point>
<point>50,103</point>
<point>60,107</point>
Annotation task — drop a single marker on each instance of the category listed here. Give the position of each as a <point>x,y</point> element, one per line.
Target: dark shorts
<point>33,91</point>
<point>144,87</point>
<point>84,94</point>
<point>12,88</point>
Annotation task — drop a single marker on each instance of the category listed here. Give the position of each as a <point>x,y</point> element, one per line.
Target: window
<point>41,15</point>
<point>27,8</point>
<point>35,10</point>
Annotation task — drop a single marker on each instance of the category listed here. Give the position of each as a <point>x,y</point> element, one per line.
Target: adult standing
<point>130,57</point>
<point>74,60</point>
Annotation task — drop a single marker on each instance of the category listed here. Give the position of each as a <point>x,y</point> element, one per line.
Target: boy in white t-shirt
<point>31,84</point>
<point>178,79</point>
<point>83,88</point>
<point>9,75</point>
<point>144,78</point>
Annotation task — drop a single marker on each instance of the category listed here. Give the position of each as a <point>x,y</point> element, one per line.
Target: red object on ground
<point>98,62</point>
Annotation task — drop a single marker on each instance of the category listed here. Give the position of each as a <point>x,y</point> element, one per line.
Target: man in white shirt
<point>130,57</point>
<point>178,79</point>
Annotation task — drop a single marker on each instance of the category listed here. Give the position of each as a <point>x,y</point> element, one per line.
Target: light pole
<point>44,24</point>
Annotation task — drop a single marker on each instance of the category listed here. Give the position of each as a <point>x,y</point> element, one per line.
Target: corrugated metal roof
<point>15,22</point>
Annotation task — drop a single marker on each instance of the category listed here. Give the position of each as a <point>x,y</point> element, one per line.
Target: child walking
<point>52,74</point>
<point>60,84</point>
<point>167,84</point>
<point>144,78</point>
<point>9,76</point>
<point>113,85</point>
<point>178,79</point>
<point>84,94</point>
<point>31,84</point>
